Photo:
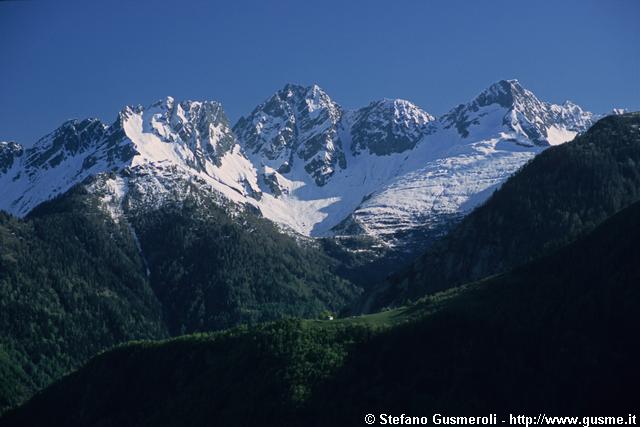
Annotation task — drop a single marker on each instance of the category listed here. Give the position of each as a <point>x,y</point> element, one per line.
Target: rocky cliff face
<point>388,126</point>
<point>297,124</point>
<point>389,170</point>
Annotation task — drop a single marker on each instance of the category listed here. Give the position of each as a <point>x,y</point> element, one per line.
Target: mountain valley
<point>170,221</point>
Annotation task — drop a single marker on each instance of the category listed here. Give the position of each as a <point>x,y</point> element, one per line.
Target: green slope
<point>561,194</point>
<point>211,271</point>
<point>15,385</point>
<point>73,282</point>
<point>556,336</point>
<point>71,285</point>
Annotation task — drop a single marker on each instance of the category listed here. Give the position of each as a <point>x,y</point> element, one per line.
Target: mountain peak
<point>296,124</point>
<point>504,93</point>
<point>79,123</point>
<point>9,151</point>
<point>525,118</point>
<point>198,131</point>
<point>72,135</point>
<point>296,140</point>
<point>401,108</point>
<point>293,87</point>
<point>618,111</point>
<point>506,85</point>
<point>388,126</point>
<point>315,89</point>
<point>164,103</point>
<point>298,90</point>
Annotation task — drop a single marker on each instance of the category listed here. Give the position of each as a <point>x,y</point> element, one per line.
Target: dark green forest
<point>556,335</point>
<point>212,271</point>
<point>71,284</point>
<point>561,194</point>
<point>529,304</point>
<point>74,283</point>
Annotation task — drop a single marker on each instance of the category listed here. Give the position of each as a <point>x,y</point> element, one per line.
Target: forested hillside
<point>561,194</point>
<point>555,336</point>
<point>71,284</point>
<point>74,282</point>
<point>212,271</point>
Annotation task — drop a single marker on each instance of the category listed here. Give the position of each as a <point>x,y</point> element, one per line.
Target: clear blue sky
<point>63,59</point>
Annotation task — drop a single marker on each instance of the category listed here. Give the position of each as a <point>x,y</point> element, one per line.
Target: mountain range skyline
<point>292,213</point>
<point>616,109</point>
<point>179,267</point>
<point>388,170</point>
<point>63,62</point>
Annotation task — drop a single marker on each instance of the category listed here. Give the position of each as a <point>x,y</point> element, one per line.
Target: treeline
<point>73,282</point>
<point>212,271</point>
<point>558,196</point>
<point>556,336</point>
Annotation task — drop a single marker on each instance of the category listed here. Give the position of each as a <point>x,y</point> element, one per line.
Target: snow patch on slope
<point>300,159</point>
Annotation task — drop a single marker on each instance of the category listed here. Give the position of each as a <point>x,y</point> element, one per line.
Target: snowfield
<point>304,162</point>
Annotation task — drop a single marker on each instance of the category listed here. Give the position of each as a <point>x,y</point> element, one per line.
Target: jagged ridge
<point>385,170</point>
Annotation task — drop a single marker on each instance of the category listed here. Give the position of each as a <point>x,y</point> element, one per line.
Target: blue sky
<point>65,59</point>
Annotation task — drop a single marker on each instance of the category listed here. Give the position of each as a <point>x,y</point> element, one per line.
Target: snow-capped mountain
<point>295,123</point>
<point>162,147</point>
<point>385,170</point>
<point>526,118</point>
<point>464,156</point>
<point>9,151</point>
<point>388,126</point>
